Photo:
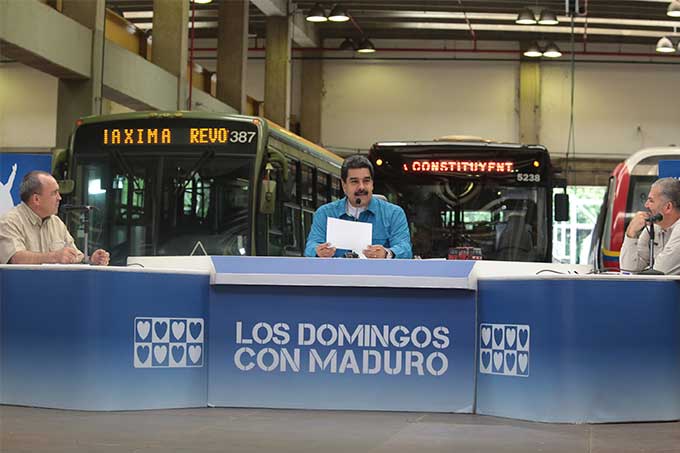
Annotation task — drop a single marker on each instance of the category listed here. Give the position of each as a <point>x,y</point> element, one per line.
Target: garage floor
<point>264,430</point>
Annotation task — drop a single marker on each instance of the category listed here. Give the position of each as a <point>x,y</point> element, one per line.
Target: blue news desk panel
<point>444,336</point>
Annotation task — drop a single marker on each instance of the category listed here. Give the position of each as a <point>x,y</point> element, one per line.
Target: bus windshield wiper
<point>205,157</point>
<point>125,166</point>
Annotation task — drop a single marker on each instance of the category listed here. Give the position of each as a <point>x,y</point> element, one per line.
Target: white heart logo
<point>486,335</point>
<point>523,361</point>
<point>178,329</point>
<point>194,353</point>
<point>510,336</point>
<point>143,328</point>
<point>160,352</point>
<point>498,360</point>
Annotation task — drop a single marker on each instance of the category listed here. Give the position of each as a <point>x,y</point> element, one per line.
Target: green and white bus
<point>172,183</point>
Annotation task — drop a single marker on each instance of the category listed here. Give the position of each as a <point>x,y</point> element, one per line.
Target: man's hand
<point>375,251</point>
<point>325,250</point>
<point>100,258</point>
<point>637,224</point>
<point>67,255</point>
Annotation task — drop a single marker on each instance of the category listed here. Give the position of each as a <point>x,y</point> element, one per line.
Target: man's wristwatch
<point>390,254</point>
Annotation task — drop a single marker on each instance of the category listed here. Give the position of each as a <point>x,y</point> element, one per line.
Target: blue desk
<point>342,334</point>
<point>579,349</point>
<point>80,337</point>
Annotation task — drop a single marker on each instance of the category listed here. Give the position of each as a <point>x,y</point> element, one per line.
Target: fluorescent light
<point>317,14</point>
<point>552,51</point>
<point>366,46</point>
<point>533,51</point>
<point>338,14</point>
<point>548,18</point>
<point>526,17</point>
<point>664,45</point>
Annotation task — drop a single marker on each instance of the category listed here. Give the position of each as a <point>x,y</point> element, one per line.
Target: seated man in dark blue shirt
<point>391,238</point>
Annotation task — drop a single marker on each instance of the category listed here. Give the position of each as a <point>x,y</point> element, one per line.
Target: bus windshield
<point>162,200</point>
<point>495,197</point>
<point>504,221</point>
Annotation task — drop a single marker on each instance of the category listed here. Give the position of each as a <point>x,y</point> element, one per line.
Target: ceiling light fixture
<point>347,44</point>
<point>317,14</point>
<point>366,46</point>
<point>526,17</point>
<point>533,51</point>
<point>548,18</point>
<point>674,9</point>
<point>552,51</point>
<point>202,2</point>
<point>338,14</point>
<point>664,45</point>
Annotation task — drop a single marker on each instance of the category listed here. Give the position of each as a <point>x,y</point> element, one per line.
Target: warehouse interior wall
<point>618,107</point>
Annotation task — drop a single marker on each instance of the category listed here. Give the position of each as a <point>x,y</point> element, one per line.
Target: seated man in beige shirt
<point>31,233</point>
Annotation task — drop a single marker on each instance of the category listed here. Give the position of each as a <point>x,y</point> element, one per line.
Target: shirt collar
<point>670,228</point>
<point>342,207</point>
<point>31,215</point>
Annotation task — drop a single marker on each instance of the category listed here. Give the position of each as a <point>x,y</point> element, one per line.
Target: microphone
<point>76,207</point>
<point>654,218</point>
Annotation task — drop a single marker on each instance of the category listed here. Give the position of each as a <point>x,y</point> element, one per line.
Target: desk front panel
<point>579,350</point>
<point>341,348</point>
<point>103,340</point>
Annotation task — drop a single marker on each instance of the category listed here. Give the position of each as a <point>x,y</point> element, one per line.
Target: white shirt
<point>22,229</point>
<point>635,252</point>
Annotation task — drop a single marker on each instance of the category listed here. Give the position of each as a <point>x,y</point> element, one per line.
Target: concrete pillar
<point>232,53</point>
<point>77,98</point>
<point>312,93</point>
<point>529,101</point>
<point>170,46</point>
<point>277,70</point>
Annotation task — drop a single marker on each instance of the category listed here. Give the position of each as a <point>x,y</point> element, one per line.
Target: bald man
<point>31,233</point>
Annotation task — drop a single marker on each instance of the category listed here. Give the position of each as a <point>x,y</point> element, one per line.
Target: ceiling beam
<point>304,33</point>
<point>272,7</point>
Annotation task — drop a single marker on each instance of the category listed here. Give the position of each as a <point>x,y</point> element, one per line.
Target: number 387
<point>241,136</point>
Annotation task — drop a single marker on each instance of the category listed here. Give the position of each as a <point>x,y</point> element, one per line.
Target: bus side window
<point>322,188</point>
<point>307,202</point>
<point>307,186</point>
<point>336,189</point>
<point>290,187</point>
<point>291,212</point>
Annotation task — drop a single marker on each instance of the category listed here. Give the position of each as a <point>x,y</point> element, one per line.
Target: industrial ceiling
<point>620,22</point>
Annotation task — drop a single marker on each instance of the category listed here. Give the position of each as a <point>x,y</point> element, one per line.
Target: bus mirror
<point>66,186</point>
<point>268,197</point>
<point>59,162</point>
<point>561,207</point>
<point>278,158</point>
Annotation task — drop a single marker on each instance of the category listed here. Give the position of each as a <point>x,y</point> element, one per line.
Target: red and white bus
<point>626,194</point>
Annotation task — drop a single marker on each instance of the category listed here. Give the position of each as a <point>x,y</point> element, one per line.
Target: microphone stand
<point>651,245</point>
<point>86,229</point>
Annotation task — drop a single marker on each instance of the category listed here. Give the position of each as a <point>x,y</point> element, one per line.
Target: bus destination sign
<point>175,136</point>
<point>459,166</point>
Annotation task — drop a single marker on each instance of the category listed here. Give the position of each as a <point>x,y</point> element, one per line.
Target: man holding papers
<point>359,222</point>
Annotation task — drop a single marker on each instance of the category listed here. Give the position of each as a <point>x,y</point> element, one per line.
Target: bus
<point>468,192</point>
<point>626,194</point>
<point>177,183</point>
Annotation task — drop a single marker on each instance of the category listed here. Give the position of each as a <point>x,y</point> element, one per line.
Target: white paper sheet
<point>350,235</point>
